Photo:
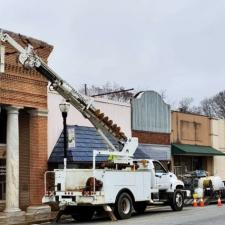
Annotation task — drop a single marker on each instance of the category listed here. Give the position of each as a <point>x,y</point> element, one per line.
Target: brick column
<point>12,161</point>
<point>38,154</point>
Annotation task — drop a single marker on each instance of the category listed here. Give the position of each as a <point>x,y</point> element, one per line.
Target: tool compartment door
<point>137,182</point>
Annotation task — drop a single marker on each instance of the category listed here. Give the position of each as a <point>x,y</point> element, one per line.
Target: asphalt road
<point>209,215</point>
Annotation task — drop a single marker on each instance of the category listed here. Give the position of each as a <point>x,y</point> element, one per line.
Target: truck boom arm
<point>102,123</point>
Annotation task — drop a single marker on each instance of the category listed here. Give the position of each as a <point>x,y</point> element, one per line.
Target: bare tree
<point>185,104</point>
<point>219,104</point>
<point>208,107</point>
<point>123,96</point>
<point>163,94</point>
<point>212,107</point>
<point>196,110</point>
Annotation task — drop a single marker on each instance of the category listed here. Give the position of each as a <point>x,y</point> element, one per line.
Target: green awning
<point>179,149</point>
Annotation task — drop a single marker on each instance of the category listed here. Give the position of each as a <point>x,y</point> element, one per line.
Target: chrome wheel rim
<point>179,199</point>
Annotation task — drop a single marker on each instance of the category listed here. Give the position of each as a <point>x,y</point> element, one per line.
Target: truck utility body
<point>124,183</point>
<point>74,185</point>
<point>144,183</point>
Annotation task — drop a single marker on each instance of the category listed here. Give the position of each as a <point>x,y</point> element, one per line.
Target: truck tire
<point>177,201</point>
<point>140,207</point>
<point>83,214</point>
<point>123,206</point>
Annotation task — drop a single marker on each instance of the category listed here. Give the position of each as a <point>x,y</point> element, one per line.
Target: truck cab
<point>162,176</point>
<point>165,180</point>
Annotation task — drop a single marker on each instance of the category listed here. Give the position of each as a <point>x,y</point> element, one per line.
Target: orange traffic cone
<point>219,203</point>
<point>201,204</point>
<point>195,204</point>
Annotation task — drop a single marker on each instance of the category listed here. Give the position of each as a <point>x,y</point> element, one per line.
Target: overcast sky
<point>172,45</point>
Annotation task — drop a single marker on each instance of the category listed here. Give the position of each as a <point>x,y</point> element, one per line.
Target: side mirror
<point>169,166</point>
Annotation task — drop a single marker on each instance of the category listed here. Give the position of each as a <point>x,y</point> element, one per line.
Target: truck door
<point>162,176</point>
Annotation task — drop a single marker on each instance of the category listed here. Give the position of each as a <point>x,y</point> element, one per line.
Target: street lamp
<point>64,108</point>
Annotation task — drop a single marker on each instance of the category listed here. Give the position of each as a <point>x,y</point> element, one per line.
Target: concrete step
<point>26,218</point>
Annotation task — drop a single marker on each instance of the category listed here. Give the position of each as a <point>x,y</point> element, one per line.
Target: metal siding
<point>150,113</point>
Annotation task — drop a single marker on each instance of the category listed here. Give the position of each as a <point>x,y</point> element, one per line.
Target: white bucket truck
<point>145,183</point>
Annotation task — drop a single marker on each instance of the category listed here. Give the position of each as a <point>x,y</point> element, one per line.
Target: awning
<point>179,149</point>
<point>153,151</point>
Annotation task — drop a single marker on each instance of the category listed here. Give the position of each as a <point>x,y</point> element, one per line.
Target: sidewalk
<point>26,219</point>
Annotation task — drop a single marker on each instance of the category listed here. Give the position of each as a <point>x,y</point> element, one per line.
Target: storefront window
<point>184,164</point>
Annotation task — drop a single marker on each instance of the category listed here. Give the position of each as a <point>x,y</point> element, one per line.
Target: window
<point>190,131</point>
<point>159,168</point>
<point>3,123</point>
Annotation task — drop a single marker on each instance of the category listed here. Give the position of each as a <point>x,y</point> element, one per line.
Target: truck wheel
<point>83,214</point>
<point>123,206</point>
<point>140,207</point>
<point>177,202</point>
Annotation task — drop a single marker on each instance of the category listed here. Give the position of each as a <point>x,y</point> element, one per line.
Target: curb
<point>12,221</point>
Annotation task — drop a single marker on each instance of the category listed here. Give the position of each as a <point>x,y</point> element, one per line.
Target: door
<point>162,176</point>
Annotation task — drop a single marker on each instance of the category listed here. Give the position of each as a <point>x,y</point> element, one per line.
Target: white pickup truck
<point>145,183</point>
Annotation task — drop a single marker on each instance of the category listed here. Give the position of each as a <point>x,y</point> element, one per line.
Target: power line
<point>113,92</point>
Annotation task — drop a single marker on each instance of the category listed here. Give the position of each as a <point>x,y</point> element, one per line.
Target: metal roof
<point>153,151</point>
<point>87,139</point>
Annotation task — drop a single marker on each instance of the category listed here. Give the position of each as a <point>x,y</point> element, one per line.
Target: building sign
<point>71,137</point>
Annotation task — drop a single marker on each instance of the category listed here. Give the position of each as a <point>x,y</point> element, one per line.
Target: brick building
<point>23,129</point>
